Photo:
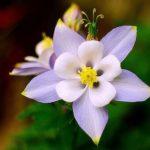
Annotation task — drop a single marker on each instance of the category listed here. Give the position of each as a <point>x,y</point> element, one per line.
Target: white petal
<point>103,94</point>
<point>90,51</point>
<point>65,39</point>
<point>66,66</point>
<point>120,41</point>
<point>90,118</point>
<point>69,90</point>
<point>110,66</point>
<point>130,88</point>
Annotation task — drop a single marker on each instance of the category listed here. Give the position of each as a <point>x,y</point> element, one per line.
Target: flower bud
<point>72,17</point>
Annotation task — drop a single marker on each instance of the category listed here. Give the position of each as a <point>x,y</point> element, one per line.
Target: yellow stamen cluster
<point>88,76</point>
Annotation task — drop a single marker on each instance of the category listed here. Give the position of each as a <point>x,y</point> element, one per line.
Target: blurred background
<point>28,125</point>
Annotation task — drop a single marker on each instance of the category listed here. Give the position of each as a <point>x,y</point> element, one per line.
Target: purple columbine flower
<point>89,74</point>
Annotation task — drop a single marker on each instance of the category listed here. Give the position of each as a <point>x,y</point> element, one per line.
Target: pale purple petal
<point>28,65</point>
<point>130,88</point>
<point>42,88</point>
<point>27,71</point>
<point>90,118</point>
<point>28,68</point>
<point>65,39</point>
<point>120,41</point>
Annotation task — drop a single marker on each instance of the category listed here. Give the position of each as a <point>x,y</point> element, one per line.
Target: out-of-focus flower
<point>72,17</point>
<point>36,65</point>
<point>88,73</point>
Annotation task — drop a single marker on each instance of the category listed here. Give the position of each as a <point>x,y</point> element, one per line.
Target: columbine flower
<point>88,73</point>
<point>72,17</point>
<point>36,65</point>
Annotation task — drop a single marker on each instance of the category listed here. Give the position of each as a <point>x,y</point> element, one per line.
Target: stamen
<point>85,15</point>
<point>94,11</point>
<point>88,76</point>
<point>91,25</point>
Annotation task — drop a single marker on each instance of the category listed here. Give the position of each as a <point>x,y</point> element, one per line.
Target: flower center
<point>88,76</point>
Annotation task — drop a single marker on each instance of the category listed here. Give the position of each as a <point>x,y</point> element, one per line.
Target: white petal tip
<point>96,140</point>
<point>134,28</point>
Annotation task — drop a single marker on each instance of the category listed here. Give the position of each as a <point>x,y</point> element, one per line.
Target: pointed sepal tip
<point>23,93</point>
<point>134,28</point>
<point>96,140</point>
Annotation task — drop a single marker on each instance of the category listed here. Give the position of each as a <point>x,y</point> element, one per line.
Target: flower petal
<point>27,71</point>
<point>45,57</point>
<point>31,58</point>
<point>66,66</point>
<point>69,90</point>
<point>28,65</point>
<point>120,41</point>
<point>130,88</point>
<point>52,60</point>
<point>42,88</point>
<point>90,118</point>
<point>90,51</point>
<point>110,67</point>
<point>28,68</point>
<point>103,94</point>
<point>65,39</point>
